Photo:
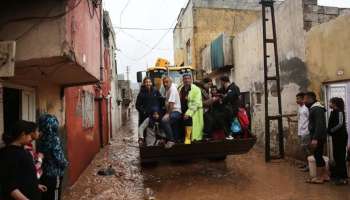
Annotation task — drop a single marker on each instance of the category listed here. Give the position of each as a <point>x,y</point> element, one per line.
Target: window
<point>188,52</point>
<point>123,93</point>
<point>258,98</point>
<point>88,114</point>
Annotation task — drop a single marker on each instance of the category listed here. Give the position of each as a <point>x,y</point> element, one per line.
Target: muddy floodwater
<point>244,177</point>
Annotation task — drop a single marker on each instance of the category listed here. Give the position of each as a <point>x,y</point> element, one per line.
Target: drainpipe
<point>100,98</point>
<point>100,121</point>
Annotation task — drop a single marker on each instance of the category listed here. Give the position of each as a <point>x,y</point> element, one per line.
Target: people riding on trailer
<point>193,112</point>
<point>192,108</point>
<point>150,131</point>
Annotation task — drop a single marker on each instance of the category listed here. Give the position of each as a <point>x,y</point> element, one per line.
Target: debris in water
<point>107,172</point>
<point>149,194</point>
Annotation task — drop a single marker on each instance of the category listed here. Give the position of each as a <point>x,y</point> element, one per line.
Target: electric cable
<point>141,42</point>
<point>122,12</point>
<point>149,29</point>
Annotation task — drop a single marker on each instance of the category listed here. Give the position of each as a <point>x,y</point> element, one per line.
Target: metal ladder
<point>269,4</point>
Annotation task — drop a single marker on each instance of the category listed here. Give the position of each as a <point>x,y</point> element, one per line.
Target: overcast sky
<point>139,49</point>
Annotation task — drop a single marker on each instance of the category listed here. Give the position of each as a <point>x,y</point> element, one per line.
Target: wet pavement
<point>244,177</point>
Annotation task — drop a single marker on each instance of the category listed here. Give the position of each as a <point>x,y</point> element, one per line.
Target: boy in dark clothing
<point>337,129</point>
<point>230,100</point>
<point>318,134</point>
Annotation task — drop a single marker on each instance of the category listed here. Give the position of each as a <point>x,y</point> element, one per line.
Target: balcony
<point>56,41</point>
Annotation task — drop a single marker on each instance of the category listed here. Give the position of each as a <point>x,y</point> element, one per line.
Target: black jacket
<point>146,100</point>
<point>232,94</point>
<point>336,123</point>
<point>17,171</point>
<point>317,122</point>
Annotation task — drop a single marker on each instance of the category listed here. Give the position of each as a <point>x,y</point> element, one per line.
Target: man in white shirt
<point>173,112</point>
<point>303,126</point>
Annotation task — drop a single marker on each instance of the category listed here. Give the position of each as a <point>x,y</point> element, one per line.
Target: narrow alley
<point>235,178</point>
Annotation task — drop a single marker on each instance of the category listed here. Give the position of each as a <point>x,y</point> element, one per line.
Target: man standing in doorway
<point>318,135</point>
<point>303,127</point>
<point>173,112</point>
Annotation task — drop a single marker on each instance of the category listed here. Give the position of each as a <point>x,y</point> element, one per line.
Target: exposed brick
<point>315,8</point>
<point>307,25</point>
<point>324,18</point>
<point>331,10</point>
<point>344,11</point>
<point>320,10</point>
<point>311,17</point>
<point>310,2</point>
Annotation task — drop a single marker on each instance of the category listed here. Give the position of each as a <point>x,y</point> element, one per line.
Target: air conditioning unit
<point>7,58</point>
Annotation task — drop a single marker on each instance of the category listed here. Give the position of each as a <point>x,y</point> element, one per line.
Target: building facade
<point>296,20</point>
<point>201,21</point>
<point>62,68</point>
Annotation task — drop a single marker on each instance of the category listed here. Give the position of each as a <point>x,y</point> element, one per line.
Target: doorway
<point>16,103</point>
<point>341,90</point>
<point>12,106</point>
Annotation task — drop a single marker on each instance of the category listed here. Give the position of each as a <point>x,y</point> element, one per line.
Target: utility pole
<point>269,4</point>
<point>127,73</point>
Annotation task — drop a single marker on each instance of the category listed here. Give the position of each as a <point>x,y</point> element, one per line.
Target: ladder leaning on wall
<point>269,5</point>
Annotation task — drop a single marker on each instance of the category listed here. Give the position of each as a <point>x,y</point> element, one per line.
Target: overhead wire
<point>159,41</point>
<point>122,12</point>
<point>149,29</point>
<point>140,41</point>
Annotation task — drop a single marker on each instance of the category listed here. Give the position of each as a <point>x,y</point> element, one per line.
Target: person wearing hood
<point>148,98</point>
<point>192,107</point>
<point>153,129</point>
<point>318,136</point>
<point>55,162</point>
<point>231,101</point>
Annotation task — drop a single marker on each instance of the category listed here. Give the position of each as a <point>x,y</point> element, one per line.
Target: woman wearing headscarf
<point>148,98</point>
<point>55,161</point>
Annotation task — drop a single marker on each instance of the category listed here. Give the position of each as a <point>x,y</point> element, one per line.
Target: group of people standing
<point>313,132</point>
<point>193,112</point>
<point>32,161</point>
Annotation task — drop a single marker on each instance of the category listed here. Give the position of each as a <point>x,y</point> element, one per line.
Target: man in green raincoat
<point>191,105</point>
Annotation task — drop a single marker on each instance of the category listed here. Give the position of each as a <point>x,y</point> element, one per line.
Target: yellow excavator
<point>163,68</point>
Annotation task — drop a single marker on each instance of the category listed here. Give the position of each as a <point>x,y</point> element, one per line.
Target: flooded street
<point>245,177</point>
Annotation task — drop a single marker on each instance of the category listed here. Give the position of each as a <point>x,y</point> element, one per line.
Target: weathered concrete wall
<point>73,33</point>
<point>292,21</point>
<point>327,52</point>
<point>231,4</point>
<point>83,35</point>
<point>210,23</point>
<point>248,53</point>
<point>209,19</point>
<point>49,100</point>
<point>315,14</point>
<point>83,143</point>
<point>182,34</point>
<point>35,38</point>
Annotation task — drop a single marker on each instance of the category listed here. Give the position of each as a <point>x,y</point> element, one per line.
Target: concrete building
<point>110,58</point>
<point>299,45</point>
<point>201,21</point>
<point>62,67</point>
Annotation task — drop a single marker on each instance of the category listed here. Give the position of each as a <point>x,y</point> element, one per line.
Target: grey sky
<point>135,45</point>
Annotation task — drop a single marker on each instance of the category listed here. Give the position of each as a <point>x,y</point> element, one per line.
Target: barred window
<point>88,114</point>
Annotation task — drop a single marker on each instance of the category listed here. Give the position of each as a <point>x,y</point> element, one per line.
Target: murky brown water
<point>245,177</point>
